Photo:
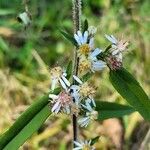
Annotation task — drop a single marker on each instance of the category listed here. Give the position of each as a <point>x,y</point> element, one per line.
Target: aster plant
<point>73,94</point>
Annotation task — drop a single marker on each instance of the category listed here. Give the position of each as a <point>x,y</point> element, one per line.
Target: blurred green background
<point>26,56</point>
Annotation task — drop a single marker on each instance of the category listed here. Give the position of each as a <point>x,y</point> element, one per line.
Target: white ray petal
<point>63,84</point>
<point>64,74</point>
<point>111,38</point>
<point>85,37</point>
<point>65,80</point>
<point>56,105</point>
<point>77,79</point>
<point>115,41</point>
<point>93,101</point>
<point>96,52</point>
<point>53,96</point>
<point>115,52</point>
<point>77,143</point>
<point>77,39</point>
<point>77,148</point>
<point>80,37</point>
<point>91,43</point>
<point>57,109</point>
<point>81,120</point>
<point>53,84</point>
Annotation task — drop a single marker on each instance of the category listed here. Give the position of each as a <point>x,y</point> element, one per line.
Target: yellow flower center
<point>87,90</point>
<point>84,49</point>
<point>86,147</point>
<point>56,72</point>
<point>94,115</point>
<point>84,65</point>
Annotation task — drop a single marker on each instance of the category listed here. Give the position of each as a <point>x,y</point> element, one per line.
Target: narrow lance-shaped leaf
<point>69,37</point>
<point>108,110</point>
<point>86,25</point>
<point>94,140</point>
<point>131,90</point>
<point>33,125</point>
<point>25,121</point>
<point>69,70</point>
<point>86,76</point>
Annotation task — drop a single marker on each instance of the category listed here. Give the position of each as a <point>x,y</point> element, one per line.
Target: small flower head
<point>117,45</point>
<point>91,62</point>
<point>61,102</point>
<point>56,72</point>
<point>92,30</point>
<point>85,44</point>
<point>91,115</point>
<point>84,64</point>
<point>86,145</point>
<point>75,109</point>
<point>84,49</point>
<point>114,60</point>
<point>58,75</point>
<point>86,90</point>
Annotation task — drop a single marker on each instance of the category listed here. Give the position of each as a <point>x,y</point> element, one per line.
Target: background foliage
<point>27,55</point>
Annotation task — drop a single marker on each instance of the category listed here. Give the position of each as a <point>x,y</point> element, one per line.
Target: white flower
<point>81,38</point>
<point>83,90</point>
<point>91,115</point>
<point>96,65</point>
<point>91,62</point>
<point>61,102</point>
<point>58,75</point>
<point>85,44</point>
<point>118,46</point>
<point>25,18</point>
<point>86,145</point>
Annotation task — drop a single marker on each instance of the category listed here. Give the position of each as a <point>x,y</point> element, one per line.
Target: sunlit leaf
<point>108,110</point>
<point>26,124</point>
<point>131,90</point>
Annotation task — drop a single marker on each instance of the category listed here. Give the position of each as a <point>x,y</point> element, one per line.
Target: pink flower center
<point>65,98</point>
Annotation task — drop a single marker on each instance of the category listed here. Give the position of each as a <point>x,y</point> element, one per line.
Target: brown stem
<point>77,26</point>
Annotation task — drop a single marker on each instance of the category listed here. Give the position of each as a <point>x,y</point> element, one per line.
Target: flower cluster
<point>77,98</point>
<point>73,99</point>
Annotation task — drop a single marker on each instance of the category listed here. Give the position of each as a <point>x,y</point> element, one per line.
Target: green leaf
<point>94,140</point>
<point>30,120</point>
<point>86,76</point>
<point>69,37</point>
<point>108,110</point>
<point>131,90</point>
<point>85,27</point>
<point>69,70</point>
<point>32,126</point>
<point>3,45</point>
